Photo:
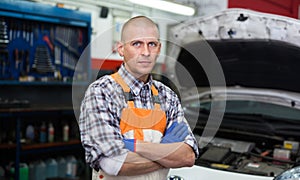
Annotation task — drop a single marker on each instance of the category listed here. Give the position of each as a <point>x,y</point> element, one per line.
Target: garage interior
<point>43,76</point>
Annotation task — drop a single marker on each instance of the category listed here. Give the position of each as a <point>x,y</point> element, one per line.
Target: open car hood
<point>254,50</point>
<point>258,56</point>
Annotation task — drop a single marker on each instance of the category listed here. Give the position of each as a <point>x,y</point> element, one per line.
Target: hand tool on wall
<point>18,26</point>
<point>49,43</point>
<point>31,29</point>
<point>57,55</point>
<point>21,58</point>
<point>42,60</point>
<point>3,34</point>
<point>25,66</point>
<point>27,62</point>
<point>4,63</point>
<point>17,59</point>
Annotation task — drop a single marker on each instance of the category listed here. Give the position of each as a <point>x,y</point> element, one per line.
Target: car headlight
<point>290,174</point>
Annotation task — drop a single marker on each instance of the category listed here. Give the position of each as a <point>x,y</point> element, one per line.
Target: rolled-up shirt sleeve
<point>112,165</point>
<point>99,123</point>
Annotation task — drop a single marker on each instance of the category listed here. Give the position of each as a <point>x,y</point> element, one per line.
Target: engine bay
<point>248,157</point>
<point>252,138</point>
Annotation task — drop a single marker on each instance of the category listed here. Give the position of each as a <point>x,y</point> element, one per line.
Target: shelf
<point>35,109</point>
<point>49,145</point>
<point>50,148</point>
<point>45,83</point>
<point>9,146</point>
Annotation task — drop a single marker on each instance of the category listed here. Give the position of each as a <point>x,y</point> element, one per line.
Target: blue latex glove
<point>129,144</point>
<point>175,133</point>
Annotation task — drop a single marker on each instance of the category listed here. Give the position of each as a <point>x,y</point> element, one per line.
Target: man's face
<point>140,50</point>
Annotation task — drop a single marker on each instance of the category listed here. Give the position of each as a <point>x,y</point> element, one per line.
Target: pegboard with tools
<point>42,43</point>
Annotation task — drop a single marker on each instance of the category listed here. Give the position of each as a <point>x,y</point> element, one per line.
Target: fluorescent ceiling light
<point>166,6</point>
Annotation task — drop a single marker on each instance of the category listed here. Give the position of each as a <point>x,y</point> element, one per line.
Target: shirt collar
<point>134,84</point>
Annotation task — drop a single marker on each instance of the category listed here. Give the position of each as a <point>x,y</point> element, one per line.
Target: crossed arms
<point>172,152</point>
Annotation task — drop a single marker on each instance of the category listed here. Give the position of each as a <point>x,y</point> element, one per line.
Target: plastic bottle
<point>71,167</point>
<point>62,167</point>
<point>50,133</point>
<point>66,133</point>
<point>32,171</point>
<point>2,172</point>
<point>43,133</point>
<point>30,133</point>
<point>40,170</point>
<point>51,168</point>
<point>23,171</point>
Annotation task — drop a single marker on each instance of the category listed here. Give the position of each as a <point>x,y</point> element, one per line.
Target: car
<point>237,75</point>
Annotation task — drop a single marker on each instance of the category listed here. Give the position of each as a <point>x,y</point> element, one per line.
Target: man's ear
<point>159,48</point>
<point>120,48</point>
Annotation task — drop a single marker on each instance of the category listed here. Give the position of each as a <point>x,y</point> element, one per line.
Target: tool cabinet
<point>42,43</point>
<point>43,49</point>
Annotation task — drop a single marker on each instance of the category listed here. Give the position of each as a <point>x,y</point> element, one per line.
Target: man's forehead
<point>140,31</point>
<point>146,39</point>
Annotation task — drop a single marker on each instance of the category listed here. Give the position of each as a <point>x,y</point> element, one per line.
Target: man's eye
<point>152,44</point>
<point>136,44</point>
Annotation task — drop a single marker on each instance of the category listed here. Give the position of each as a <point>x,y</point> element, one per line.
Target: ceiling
<point>202,7</point>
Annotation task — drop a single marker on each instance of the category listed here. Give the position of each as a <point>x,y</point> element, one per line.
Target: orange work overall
<point>140,124</point>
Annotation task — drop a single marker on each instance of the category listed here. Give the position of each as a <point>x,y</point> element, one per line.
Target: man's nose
<point>146,50</point>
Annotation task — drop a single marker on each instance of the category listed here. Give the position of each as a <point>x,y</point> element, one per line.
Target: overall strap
<point>117,77</point>
<point>128,96</point>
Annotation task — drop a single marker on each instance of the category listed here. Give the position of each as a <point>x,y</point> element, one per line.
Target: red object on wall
<point>288,8</point>
<point>106,64</point>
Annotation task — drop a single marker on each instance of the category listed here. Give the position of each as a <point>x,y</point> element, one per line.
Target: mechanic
<point>132,126</point>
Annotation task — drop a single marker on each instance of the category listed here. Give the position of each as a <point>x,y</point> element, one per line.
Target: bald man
<point>132,126</point>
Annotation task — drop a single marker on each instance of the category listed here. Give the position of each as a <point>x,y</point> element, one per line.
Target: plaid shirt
<point>101,111</point>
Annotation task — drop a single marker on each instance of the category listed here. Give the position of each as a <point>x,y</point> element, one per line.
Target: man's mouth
<point>144,62</point>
